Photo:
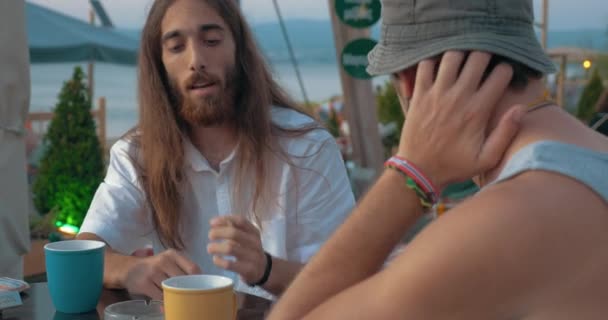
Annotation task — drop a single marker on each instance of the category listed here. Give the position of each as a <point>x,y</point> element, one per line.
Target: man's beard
<point>212,110</point>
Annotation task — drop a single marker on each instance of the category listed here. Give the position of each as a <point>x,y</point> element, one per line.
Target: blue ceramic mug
<point>74,271</point>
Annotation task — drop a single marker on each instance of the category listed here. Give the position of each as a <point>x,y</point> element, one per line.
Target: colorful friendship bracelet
<point>415,180</point>
<point>418,175</point>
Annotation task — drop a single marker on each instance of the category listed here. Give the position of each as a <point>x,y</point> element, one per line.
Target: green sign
<point>358,13</point>
<point>354,57</point>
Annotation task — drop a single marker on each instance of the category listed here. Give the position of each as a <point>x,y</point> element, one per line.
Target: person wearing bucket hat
<point>416,30</point>
<point>530,244</point>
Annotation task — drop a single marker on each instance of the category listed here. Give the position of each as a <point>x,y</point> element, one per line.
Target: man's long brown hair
<point>160,132</point>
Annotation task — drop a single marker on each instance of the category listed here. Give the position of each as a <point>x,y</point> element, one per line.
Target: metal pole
<point>91,66</point>
<point>292,54</point>
<point>545,24</point>
<point>101,117</point>
<point>561,81</point>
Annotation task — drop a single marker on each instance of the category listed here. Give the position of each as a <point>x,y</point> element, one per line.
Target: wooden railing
<point>561,78</point>
<point>39,121</point>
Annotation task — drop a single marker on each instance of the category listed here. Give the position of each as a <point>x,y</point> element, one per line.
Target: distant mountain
<point>596,39</point>
<point>313,40</point>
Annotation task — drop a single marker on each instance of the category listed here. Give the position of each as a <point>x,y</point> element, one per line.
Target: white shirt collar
<point>198,162</point>
<point>283,117</point>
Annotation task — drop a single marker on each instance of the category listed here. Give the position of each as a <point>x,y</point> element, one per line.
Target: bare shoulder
<point>497,253</point>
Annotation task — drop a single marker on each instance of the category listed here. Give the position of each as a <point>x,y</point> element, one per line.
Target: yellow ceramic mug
<point>199,297</point>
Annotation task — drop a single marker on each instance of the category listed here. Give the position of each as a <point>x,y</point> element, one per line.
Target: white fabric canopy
<point>14,104</point>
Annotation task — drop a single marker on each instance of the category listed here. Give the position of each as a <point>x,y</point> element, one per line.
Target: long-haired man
<point>223,174</point>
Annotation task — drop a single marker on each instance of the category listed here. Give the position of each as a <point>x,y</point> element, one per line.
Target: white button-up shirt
<point>311,198</point>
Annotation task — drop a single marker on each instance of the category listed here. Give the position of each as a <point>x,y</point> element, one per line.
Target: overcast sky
<point>564,14</point>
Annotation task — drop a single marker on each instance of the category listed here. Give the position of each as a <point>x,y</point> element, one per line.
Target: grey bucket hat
<point>414,30</point>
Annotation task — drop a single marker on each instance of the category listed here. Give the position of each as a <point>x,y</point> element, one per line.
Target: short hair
<point>521,72</point>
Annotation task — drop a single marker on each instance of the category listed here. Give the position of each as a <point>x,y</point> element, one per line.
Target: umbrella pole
<point>91,66</point>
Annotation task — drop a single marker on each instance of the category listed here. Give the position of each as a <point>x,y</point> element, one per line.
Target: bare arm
<point>448,271</point>
<point>504,254</point>
<point>357,250</point>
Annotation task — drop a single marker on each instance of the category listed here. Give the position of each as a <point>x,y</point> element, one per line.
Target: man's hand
<point>147,274</point>
<point>236,236</point>
<point>446,129</point>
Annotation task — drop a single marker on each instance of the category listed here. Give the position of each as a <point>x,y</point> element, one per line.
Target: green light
<point>58,223</point>
<point>69,229</point>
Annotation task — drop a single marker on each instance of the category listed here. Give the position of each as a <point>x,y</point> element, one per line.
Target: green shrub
<point>389,111</point>
<point>72,166</point>
<point>589,97</point>
<point>332,124</point>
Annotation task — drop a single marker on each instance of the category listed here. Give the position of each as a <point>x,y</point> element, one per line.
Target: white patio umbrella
<point>14,104</point>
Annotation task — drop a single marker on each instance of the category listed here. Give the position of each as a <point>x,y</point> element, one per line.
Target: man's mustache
<point>200,77</point>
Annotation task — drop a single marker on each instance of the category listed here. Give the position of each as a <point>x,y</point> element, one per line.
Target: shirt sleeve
<point>324,198</point>
<point>117,213</point>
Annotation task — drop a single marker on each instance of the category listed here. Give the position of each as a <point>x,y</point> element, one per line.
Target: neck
<point>532,94</point>
<point>215,143</point>
<point>527,97</point>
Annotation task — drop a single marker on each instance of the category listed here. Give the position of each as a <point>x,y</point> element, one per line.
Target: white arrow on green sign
<point>354,57</point>
<point>358,13</point>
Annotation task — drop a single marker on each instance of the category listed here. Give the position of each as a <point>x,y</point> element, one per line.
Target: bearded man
<point>223,173</point>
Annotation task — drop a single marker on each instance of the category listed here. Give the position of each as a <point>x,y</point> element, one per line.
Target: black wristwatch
<point>267,271</point>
